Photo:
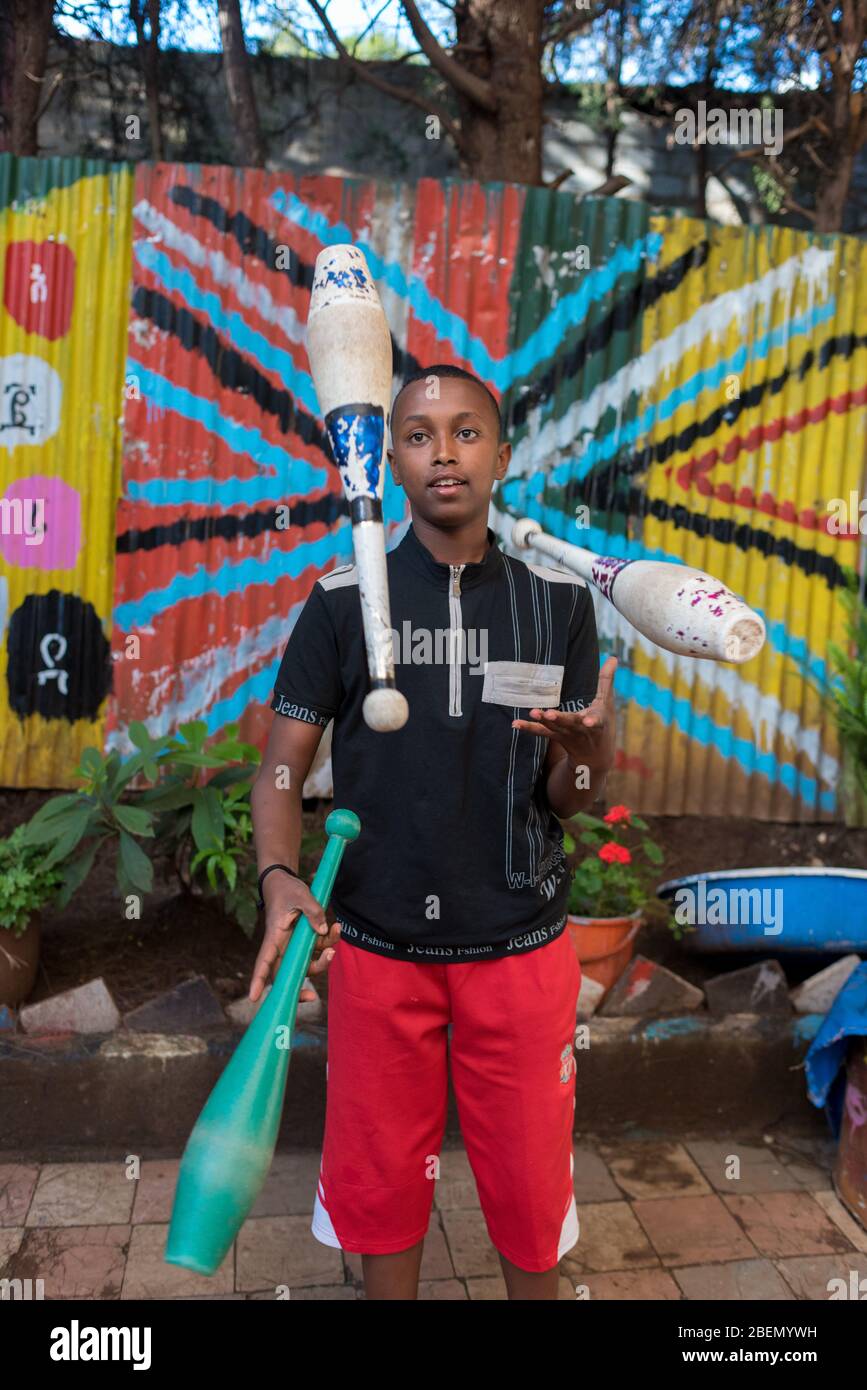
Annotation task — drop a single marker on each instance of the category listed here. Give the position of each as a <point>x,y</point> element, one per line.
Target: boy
<point>451,904</point>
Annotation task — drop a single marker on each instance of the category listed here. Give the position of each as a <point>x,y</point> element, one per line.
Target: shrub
<point>615,880</point>
<point>26,883</point>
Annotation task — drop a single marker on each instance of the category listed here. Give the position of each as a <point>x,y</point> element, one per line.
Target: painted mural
<point>672,390</point>
<point>64,259</point>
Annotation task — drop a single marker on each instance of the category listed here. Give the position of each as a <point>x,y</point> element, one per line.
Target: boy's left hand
<point>588,736</point>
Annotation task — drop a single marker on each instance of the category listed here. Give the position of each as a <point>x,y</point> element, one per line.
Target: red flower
<point>617,814</point>
<point>615,854</point>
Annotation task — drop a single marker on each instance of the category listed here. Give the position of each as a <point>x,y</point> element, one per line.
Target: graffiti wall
<point>671,389</point>
<point>64,261</point>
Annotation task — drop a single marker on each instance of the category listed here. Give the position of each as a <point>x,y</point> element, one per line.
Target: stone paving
<point>658,1220</point>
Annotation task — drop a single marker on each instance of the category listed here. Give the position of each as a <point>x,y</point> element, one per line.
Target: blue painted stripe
<point>677,710</point>
<point>163,394</point>
<point>661,1028</point>
<point>232,324</point>
<point>232,578</point>
<point>229,578</point>
<point>502,372</point>
<point>557,523</point>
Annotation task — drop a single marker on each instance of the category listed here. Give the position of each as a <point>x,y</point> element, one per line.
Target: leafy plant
<point>26,883</point>
<point>849,691</point>
<point>845,695</point>
<point>75,824</point>
<point>614,880</point>
<point>204,827</point>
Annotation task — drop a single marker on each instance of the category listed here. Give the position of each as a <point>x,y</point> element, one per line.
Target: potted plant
<point>610,887</point>
<point>27,885</point>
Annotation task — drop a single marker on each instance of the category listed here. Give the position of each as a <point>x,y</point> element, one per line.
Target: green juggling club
<point>229,1152</point>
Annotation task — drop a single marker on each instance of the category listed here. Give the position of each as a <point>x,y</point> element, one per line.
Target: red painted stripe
<point>695,472</point>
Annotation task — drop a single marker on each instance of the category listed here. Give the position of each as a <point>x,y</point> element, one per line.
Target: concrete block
<point>183,1009</point>
<point>817,994</point>
<point>756,989</point>
<point>589,998</point>
<point>648,988</point>
<point>87,1009</point>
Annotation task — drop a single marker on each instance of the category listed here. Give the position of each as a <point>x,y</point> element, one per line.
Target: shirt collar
<point>422,561</point>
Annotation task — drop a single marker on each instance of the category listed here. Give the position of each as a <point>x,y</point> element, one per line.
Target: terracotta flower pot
<point>604,945</point>
<point>19,961</point>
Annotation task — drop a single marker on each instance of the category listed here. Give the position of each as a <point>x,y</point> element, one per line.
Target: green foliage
<point>849,690</point>
<point>197,814</point>
<point>771,192</point>
<point>602,110</point>
<point>75,824</point>
<point>614,879</point>
<point>845,695</point>
<point>26,884</point>
<point>204,827</point>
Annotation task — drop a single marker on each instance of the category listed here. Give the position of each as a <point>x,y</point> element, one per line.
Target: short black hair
<point>446,369</point>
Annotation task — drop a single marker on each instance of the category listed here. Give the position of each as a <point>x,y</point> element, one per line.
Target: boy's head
<point>445,423</point>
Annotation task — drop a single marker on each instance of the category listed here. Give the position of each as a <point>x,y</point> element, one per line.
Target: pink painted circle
<point>40,525</point>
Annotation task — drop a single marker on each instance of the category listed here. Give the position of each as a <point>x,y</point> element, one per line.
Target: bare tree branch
<point>476,89</point>
<point>567,27</point>
<point>826,11</point>
<point>405,94</point>
<point>366,30</point>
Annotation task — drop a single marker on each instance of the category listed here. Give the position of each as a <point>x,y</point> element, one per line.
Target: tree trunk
<point>27,31</point>
<point>834,195</point>
<point>242,101</point>
<point>613,89</point>
<point>847,118</point>
<point>505,144</point>
<point>141,11</point>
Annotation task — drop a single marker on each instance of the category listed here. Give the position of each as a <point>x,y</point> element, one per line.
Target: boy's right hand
<point>286,898</point>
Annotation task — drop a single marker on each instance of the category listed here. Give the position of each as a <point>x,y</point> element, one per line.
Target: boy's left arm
<point>581,745</point>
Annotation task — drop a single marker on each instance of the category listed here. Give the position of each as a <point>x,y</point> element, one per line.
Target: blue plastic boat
<point>771,909</point>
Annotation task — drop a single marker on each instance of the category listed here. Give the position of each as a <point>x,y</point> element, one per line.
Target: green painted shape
<point>560,223</point>
<point>24,178</point>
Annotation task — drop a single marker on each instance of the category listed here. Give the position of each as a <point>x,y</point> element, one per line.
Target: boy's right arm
<point>276,811</point>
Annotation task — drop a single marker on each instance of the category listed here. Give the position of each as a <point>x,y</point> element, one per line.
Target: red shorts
<point>513,1074</point>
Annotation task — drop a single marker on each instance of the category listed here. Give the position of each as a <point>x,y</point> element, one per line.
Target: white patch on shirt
<point>522,684</point>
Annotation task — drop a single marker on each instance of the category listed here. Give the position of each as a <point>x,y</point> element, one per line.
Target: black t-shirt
<point>460,856</point>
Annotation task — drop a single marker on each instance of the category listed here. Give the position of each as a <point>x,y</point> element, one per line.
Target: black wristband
<point>261,902</point>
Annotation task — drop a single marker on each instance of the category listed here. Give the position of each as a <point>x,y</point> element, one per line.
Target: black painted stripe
<point>234,526</point>
<point>634,504</point>
<point>620,318</point>
<point>840,345</point>
<point>231,368</point>
<point>251,239</point>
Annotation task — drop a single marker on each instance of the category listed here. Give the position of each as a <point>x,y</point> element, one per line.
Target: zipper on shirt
<point>455,629</point>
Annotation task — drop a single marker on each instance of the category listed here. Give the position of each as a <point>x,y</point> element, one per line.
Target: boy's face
<point>454,435</point>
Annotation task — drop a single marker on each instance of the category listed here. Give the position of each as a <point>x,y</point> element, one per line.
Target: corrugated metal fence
<point>672,389</point>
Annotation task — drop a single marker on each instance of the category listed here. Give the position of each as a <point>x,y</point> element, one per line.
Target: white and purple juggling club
<point>681,609</point>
